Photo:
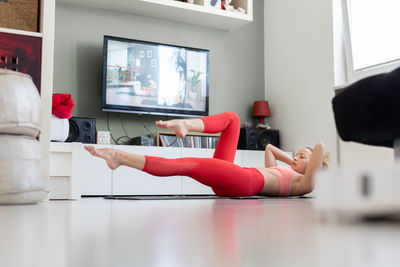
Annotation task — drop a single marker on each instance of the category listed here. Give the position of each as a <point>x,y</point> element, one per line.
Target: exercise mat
<point>175,197</point>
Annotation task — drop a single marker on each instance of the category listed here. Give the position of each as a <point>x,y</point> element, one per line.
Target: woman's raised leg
<point>227,123</point>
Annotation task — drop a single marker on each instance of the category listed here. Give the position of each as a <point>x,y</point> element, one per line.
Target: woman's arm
<point>317,157</point>
<point>273,153</point>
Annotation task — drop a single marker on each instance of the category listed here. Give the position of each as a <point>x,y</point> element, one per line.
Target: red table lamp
<point>261,109</point>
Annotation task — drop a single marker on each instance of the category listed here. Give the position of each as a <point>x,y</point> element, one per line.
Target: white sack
<point>19,104</point>
<point>59,129</point>
<point>22,174</point>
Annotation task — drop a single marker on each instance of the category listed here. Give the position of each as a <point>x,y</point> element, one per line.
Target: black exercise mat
<point>172,197</point>
<point>175,197</point>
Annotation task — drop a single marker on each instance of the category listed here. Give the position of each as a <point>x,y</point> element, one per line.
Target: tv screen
<point>154,78</point>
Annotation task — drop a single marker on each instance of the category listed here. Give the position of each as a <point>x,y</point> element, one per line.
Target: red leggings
<point>220,173</point>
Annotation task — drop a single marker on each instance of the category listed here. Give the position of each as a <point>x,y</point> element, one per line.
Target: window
<point>372,39</point>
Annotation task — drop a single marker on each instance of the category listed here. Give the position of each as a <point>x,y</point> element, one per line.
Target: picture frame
<point>22,53</point>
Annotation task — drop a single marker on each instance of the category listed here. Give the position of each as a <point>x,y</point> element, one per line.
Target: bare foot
<point>179,127</point>
<point>108,154</point>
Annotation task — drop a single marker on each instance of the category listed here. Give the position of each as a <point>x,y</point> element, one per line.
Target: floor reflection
<point>273,232</point>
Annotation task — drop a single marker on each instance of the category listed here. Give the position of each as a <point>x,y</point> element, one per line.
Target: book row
<point>189,141</point>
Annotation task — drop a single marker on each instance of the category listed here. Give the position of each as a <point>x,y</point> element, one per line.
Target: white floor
<point>276,232</point>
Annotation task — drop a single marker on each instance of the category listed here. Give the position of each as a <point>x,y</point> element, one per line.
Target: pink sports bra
<point>285,176</point>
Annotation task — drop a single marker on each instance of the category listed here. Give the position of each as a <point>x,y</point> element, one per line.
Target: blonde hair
<point>325,160</point>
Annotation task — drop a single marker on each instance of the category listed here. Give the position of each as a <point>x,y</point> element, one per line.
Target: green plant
<point>194,79</point>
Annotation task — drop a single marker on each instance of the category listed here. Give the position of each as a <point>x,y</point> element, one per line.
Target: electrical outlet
<point>327,157</point>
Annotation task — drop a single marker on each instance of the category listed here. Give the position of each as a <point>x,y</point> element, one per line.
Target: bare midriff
<point>271,182</point>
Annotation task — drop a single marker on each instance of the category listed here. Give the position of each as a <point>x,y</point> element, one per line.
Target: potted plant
<point>194,83</point>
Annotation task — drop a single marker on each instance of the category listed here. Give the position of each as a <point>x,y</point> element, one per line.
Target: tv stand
<point>75,173</point>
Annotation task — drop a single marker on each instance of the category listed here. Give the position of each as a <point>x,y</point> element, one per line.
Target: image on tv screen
<point>155,76</point>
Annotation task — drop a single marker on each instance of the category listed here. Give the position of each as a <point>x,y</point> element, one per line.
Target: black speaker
<point>257,138</point>
<point>82,130</point>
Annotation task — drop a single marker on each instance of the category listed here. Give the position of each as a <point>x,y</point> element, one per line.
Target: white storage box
<point>19,104</point>
<point>22,175</point>
<point>358,192</point>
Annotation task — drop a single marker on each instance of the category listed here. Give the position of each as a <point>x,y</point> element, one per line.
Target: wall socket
<point>327,157</point>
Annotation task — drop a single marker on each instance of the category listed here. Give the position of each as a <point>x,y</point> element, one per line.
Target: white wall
<point>338,49</point>
<point>236,61</point>
<point>299,72</point>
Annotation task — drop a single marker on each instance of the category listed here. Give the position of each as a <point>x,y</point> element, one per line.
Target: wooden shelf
<point>27,33</point>
<point>176,11</point>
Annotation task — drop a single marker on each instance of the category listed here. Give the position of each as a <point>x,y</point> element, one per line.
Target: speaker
<point>82,130</point>
<point>257,138</point>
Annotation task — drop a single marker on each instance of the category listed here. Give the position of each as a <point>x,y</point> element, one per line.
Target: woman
<point>220,173</point>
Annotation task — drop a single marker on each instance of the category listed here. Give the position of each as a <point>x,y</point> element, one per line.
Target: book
<point>190,141</point>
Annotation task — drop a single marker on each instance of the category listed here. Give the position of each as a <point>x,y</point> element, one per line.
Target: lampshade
<point>261,108</point>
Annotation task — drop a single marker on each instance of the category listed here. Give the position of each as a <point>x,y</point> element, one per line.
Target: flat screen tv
<point>154,78</point>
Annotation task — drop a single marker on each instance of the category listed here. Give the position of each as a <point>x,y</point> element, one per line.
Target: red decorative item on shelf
<point>62,106</point>
<point>261,109</point>
<point>21,53</point>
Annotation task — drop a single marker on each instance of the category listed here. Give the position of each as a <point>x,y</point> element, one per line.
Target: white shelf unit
<point>177,11</point>
<point>27,33</point>
<point>74,172</point>
<point>65,167</point>
<point>47,25</point>
<point>46,32</point>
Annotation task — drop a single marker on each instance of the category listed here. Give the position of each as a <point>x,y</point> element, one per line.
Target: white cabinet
<point>75,172</point>
<point>177,11</point>
<point>254,159</point>
<point>65,168</point>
